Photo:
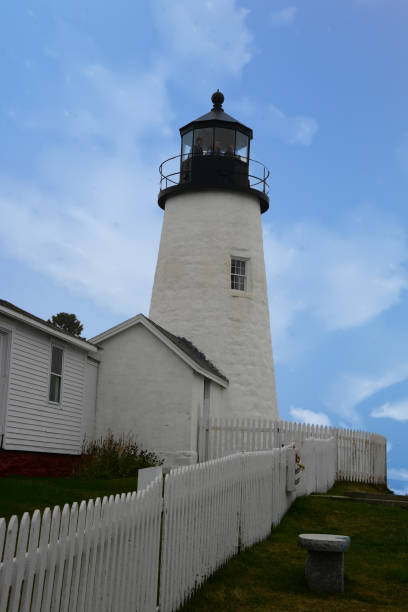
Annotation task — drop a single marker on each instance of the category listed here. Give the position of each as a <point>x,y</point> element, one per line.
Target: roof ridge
<point>190,349</point>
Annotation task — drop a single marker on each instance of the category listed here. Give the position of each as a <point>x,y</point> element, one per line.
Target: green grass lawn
<point>19,494</point>
<point>270,575</point>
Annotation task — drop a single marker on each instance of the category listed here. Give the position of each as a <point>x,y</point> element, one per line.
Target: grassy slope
<point>270,575</point>
<point>19,494</point>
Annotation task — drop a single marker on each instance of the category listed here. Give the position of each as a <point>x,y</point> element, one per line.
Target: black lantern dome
<point>214,155</point>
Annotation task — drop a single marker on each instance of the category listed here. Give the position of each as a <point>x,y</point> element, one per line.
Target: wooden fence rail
<point>361,455</point>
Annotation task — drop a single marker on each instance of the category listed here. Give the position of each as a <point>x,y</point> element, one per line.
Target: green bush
<point>112,457</point>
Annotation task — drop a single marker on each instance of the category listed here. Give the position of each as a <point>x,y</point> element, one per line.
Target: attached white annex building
<point>205,349</point>
<point>155,385</point>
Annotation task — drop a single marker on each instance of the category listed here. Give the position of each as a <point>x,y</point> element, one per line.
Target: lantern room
<point>215,154</point>
<point>216,133</point>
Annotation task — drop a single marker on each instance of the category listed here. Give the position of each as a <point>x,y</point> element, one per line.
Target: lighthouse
<point>210,283</point>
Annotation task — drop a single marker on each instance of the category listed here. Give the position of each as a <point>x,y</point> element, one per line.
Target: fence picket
<point>42,552</point>
<point>93,602</point>
<point>20,562</point>
<point>31,561</point>
<point>7,565</point>
<point>93,551</point>
<point>70,551</point>
<point>60,561</point>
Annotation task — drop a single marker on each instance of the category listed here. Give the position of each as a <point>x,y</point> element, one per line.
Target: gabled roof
<point>9,309</point>
<point>181,346</point>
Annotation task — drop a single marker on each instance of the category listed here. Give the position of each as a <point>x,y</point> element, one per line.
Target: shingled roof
<point>192,351</point>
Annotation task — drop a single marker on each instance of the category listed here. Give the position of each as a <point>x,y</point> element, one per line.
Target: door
<point>4,369</point>
<point>206,415</point>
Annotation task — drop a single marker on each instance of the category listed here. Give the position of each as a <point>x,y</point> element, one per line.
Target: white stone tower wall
<point>192,295</point>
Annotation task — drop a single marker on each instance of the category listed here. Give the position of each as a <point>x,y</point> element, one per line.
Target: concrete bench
<point>325,561</point>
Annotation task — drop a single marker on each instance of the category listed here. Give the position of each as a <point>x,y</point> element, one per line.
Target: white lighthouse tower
<point>210,283</point>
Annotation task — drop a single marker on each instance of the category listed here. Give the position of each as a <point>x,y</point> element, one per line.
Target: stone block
<point>324,568</point>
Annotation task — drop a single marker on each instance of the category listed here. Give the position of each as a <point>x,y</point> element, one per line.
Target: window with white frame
<point>56,375</point>
<point>239,274</point>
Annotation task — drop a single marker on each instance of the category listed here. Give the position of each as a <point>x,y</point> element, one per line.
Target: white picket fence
<point>101,556</point>
<point>109,555</point>
<point>361,455</point>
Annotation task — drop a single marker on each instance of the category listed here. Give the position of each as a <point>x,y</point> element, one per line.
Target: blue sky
<point>92,98</point>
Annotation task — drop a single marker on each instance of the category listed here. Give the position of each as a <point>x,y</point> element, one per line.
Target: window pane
<point>237,266</point>
<point>187,143</point>
<point>238,282</point>
<point>224,142</point>
<point>56,360</point>
<point>241,147</point>
<point>238,276</point>
<point>55,388</point>
<point>203,141</point>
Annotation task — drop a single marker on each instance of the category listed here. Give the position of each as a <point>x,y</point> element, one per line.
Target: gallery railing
<point>192,168</point>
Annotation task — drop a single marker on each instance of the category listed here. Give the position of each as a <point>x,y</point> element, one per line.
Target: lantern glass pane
<point>241,146</point>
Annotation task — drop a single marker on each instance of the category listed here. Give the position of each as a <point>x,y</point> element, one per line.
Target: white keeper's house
<point>204,350</point>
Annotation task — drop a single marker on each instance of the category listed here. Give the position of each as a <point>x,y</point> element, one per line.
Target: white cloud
<point>400,491</point>
<point>212,35</point>
<point>395,410</point>
<point>351,389</point>
<point>400,474</point>
<point>342,277</point>
<point>139,102</point>
<point>92,242</point>
<point>284,17</point>
<point>301,415</point>
<point>244,107</point>
<point>89,220</point>
<point>291,130</point>
<point>389,447</point>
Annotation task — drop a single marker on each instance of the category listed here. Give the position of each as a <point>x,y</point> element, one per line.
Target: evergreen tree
<point>67,322</point>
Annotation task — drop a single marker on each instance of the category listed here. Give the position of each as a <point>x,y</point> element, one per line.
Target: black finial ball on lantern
<point>217,99</point>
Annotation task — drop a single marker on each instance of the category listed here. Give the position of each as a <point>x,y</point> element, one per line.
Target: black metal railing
<point>184,169</point>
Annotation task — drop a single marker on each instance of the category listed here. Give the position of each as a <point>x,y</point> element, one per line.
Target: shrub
<point>111,457</point>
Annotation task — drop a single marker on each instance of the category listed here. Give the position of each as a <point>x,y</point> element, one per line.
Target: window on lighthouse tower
<point>238,274</point>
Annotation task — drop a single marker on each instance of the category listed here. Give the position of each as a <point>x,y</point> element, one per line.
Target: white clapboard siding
<point>33,423</point>
<point>361,456</point>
